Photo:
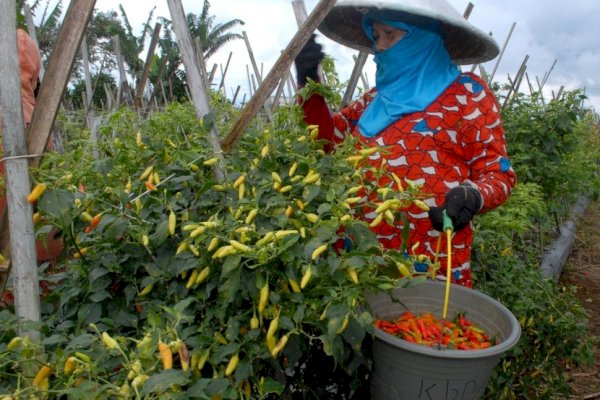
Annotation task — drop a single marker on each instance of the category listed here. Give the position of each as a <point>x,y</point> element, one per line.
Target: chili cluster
<point>425,329</point>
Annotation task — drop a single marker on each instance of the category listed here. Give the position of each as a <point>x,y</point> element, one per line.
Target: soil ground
<point>583,270</point>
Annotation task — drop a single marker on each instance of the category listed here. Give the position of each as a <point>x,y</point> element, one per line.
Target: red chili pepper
<point>150,186</point>
<point>95,220</point>
<point>427,330</point>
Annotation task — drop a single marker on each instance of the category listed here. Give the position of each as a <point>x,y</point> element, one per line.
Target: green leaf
<point>161,233</point>
<point>230,287</point>
<point>230,264</point>
<point>271,386</point>
<point>57,203</point>
<point>311,192</point>
<point>160,383</point>
<point>97,273</point>
<point>99,296</point>
<point>183,304</point>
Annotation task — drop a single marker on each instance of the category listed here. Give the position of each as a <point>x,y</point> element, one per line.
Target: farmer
<point>434,125</point>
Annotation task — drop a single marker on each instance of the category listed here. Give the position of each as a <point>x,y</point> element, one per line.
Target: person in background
<point>434,125</point>
<point>30,63</point>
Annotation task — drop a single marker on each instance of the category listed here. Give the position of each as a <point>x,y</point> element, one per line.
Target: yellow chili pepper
<point>211,161</point>
<point>279,346</point>
<point>202,276</point>
<point>172,223</point>
<point>109,342</point>
<point>146,173</point>
<point>353,275</point>
<point>42,374</point>
<point>232,365</point>
<point>305,278</point>
<point>70,364</point>
<point>263,298</point>
<point>294,285</point>
<point>318,251</point>
<point>166,355</point>
<point>36,192</point>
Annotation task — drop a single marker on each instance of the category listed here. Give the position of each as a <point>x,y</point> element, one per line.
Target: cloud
<point>546,31</point>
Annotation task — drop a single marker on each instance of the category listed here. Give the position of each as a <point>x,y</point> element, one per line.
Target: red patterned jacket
<point>459,138</point>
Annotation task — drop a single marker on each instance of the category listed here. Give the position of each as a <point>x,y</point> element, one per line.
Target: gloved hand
<point>307,62</point>
<point>461,205</point>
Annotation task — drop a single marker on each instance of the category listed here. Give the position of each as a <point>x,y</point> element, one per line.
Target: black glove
<point>462,203</point>
<point>307,62</point>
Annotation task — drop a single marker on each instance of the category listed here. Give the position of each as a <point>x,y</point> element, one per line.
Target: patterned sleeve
<point>484,143</point>
<point>333,128</point>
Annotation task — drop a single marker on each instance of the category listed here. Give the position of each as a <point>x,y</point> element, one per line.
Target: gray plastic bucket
<point>408,371</point>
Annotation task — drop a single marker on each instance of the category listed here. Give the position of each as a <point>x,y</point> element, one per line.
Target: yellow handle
<point>448,271</point>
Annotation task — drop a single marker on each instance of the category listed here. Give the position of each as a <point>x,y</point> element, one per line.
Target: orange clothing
<point>30,63</point>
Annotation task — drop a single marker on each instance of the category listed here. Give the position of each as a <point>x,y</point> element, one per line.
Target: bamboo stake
<point>211,76</point>
<point>201,65</point>
<point>224,73</point>
<point>237,91</point>
<point>512,28</point>
<point>517,81</point>
<point>299,11</point>
<point>356,73</point>
<point>57,75</point>
<point>109,97</point>
<point>249,81</point>
<point>88,100</point>
<point>158,84</point>
<point>548,73</point>
<point>540,90</point>
<point>257,74</point>
<point>280,69</point>
<point>467,12</point>
<point>21,230</point>
<point>529,84</point>
<point>139,92</point>
<point>124,90</point>
<point>199,97</point>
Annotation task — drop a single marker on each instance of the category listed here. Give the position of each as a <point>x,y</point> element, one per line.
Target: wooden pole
<point>468,10</point>
<point>124,89</point>
<point>139,90</point>
<point>89,103</point>
<point>203,74</point>
<point>356,74</point>
<point>21,230</point>
<point>52,88</point>
<point>250,87</point>
<point>512,28</point>
<point>57,75</point>
<point>224,73</point>
<point>158,84</point>
<point>280,69</point>
<point>257,75</point>
<point>235,94</point>
<point>516,82</point>
<point>200,100</point>
<point>547,74</point>
<point>211,76</point>
<point>540,90</point>
<point>109,97</point>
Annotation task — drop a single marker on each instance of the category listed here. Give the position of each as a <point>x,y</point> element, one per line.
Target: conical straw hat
<point>466,43</point>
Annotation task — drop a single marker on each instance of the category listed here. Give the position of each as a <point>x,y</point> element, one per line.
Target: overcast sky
<point>545,30</point>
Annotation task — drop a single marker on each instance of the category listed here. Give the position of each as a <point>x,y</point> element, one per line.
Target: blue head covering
<point>410,76</point>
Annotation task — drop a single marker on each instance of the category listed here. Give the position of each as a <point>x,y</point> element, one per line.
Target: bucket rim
<point>493,351</point>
